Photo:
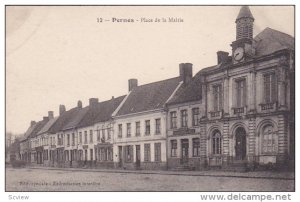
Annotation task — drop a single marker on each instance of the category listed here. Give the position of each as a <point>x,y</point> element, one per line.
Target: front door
<point>138,156</point>
<point>120,156</point>
<point>184,151</point>
<point>240,144</point>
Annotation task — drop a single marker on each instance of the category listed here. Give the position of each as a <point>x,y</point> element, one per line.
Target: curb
<point>164,173</point>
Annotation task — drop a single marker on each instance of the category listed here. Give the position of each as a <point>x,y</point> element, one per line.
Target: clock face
<point>238,54</point>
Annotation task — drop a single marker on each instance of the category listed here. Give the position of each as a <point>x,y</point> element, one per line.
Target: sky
<point>59,55</point>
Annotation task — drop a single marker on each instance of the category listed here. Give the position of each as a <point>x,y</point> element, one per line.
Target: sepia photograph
<point>132,98</point>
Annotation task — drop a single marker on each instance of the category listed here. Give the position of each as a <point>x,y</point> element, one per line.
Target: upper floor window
<point>269,88</point>
<point>108,134</point>
<point>137,128</point>
<point>184,118</point>
<point>68,139</point>
<point>80,137</point>
<point>147,127</point>
<point>98,135</point>
<point>91,136</point>
<point>120,130</point>
<point>173,120</point>
<point>85,137</point>
<point>217,97</point>
<point>196,116</point>
<point>240,92</point>
<point>73,139</point>
<point>128,129</point>
<point>157,126</point>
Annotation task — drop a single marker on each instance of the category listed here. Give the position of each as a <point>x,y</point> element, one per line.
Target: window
<point>147,127</point>
<point>184,119</point>
<point>129,153</point>
<point>269,88</point>
<point>120,130</point>
<point>157,126</point>
<point>128,129</point>
<point>108,134</point>
<point>216,143</point>
<point>80,137</point>
<point>196,117</point>
<point>147,154</point>
<point>68,139</point>
<point>98,135</point>
<point>173,148</point>
<point>91,153</point>
<point>157,151</point>
<point>196,147</point>
<point>217,98</point>
<point>173,120</point>
<point>240,92</point>
<point>91,136</point>
<point>137,128</point>
<point>73,139</point>
<point>85,137</point>
<point>269,142</point>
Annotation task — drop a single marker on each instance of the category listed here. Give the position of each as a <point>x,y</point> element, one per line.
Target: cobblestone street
<point>28,179</point>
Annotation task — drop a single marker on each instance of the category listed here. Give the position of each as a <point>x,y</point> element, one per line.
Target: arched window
<point>269,140</point>
<point>216,143</point>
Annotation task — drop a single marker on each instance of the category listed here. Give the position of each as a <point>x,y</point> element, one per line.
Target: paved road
<point>58,180</point>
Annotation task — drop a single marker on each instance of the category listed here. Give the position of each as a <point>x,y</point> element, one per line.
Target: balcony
<point>216,114</point>
<point>184,131</point>
<point>268,106</point>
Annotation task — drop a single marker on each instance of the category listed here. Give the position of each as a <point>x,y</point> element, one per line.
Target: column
<point>226,95</point>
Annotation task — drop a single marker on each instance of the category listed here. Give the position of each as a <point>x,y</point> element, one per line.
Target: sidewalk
<point>284,175</point>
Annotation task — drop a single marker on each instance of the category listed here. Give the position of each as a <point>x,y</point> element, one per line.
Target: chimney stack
<point>132,83</point>
<point>93,102</point>
<point>45,118</point>
<point>185,72</point>
<point>62,109</point>
<point>50,115</point>
<point>32,123</point>
<point>79,104</point>
<point>222,57</point>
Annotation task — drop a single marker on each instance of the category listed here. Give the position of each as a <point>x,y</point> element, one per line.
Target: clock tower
<point>242,47</point>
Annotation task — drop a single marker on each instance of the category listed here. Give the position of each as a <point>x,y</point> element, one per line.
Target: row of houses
<point>240,111</point>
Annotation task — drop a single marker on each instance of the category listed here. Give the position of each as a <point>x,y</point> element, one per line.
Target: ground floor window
<point>173,148</point>
<point>157,151</point>
<point>196,147</point>
<point>269,140</point>
<point>216,143</point>
<point>91,153</point>
<point>147,154</point>
<point>129,153</point>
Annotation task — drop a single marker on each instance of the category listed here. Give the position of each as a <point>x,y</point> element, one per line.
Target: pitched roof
<point>101,112</point>
<point>38,127</point>
<point>269,41</point>
<point>62,120</point>
<point>149,96</point>
<point>47,126</point>
<point>245,13</point>
<point>29,131</point>
<point>188,92</point>
<point>75,119</point>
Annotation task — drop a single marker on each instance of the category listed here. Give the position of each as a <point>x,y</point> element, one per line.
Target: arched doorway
<point>240,144</point>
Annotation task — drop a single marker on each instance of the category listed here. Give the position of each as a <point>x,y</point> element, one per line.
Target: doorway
<point>240,144</point>
<point>184,151</point>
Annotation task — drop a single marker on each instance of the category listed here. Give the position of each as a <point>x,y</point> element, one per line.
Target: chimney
<point>62,109</point>
<point>32,123</point>
<point>185,72</point>
<point>45,118</point>
<point>132,83</point>
<point>50,115</point>
<point>222,56</point>
<point>79,104</point>
<point>93,102</point>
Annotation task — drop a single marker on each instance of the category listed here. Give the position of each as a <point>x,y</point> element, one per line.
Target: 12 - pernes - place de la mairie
<point>237,113</point>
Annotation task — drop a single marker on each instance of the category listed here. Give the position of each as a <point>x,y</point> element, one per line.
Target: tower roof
<point>244,13</point>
